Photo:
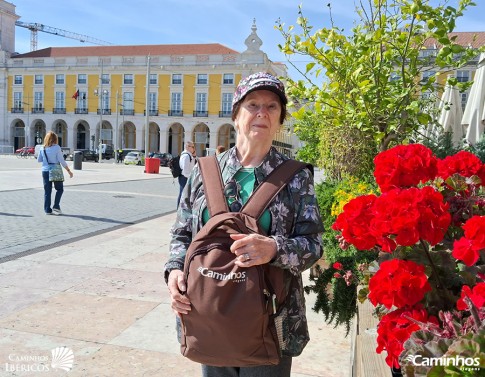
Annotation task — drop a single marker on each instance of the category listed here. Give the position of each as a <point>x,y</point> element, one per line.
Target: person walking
<point>292,221</point>
<point>187,162</point>
<point>51,153</point>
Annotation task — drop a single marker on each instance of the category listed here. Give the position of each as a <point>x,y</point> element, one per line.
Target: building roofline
<point>130,50</point>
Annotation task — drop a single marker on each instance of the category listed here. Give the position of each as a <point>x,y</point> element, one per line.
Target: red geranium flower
<point>434,218</point>
<point>464,163</point>
<point>403,217</point>
<point>477,295</point>
<point>395,219</point>
<point>398,283</point>
<point>468,247</point>
<point>396,327</point>
<point>404,166</point>
<point>475,231</point>
<point>354,222</point>
<point>337,266</point>
<point>462,250</point>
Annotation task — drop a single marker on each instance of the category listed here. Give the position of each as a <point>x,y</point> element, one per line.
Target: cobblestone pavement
<point>100,197</point>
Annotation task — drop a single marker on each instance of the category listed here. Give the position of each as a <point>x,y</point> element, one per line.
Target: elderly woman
<point>292,220</point>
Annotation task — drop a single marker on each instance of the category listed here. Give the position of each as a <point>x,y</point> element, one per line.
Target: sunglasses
<point>231,192</point>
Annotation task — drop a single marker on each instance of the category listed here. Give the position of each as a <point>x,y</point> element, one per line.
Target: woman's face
<point>259,116</point>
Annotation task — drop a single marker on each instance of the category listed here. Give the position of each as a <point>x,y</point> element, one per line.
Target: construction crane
<point>35,27</point>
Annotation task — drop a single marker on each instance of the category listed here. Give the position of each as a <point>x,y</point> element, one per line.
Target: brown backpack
<point>233,309</point>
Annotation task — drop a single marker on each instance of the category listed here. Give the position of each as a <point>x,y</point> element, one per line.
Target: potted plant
<point>427,227</point>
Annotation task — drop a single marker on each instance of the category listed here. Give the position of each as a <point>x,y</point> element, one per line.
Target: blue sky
<point>128,22</point>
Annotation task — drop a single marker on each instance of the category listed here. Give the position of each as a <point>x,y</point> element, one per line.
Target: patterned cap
<point>259,81</point>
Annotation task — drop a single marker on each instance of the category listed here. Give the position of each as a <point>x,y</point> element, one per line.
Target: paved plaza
<point>100,294</point>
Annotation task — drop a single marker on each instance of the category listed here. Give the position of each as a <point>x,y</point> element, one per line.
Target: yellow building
<point>102,94</point>
<point>466,73</point>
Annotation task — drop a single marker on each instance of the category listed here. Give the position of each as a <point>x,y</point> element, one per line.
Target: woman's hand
<point>253,249</point>
<point>176,285</point>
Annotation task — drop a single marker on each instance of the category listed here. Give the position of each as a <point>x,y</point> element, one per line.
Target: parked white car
<point>135,158</point>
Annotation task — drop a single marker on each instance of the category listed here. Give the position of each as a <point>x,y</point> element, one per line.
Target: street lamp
<point>117,128</point>
<point>100,93</point>
<point>27,128</point>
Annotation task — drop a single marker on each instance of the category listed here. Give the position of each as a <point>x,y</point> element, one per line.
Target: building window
<point>464,98</point>
<point>153,78</point>
<point>128,79</point>
<point>82,78</point>
<point>152,102</point>
<point>228,79</point>
<point>226,104</point>
<point>427,53</point>
<point>105,78</point>
<point>176,105</point>
<point>17,100</point>
<point>427,75</point>
<point>127,101</point>
<point>38,99</point>
<point>60,107</point>
<point>18,80</point>
<point>38,79</point>
<point>177,79</point>
<point>60,79</point>
<point>463,76</point>
<point>201,105</point>
<point>82,102</point>
<point>59,99</point>
<point>202,79</point>
<point>105,100</point>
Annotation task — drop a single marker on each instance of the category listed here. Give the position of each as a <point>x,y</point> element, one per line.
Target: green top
<point>246,179</point>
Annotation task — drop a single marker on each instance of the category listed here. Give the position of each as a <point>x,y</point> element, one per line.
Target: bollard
<point>77,158</point>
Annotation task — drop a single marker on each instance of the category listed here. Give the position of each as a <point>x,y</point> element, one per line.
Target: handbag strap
<point>261,197</point>
<point>45,154</point>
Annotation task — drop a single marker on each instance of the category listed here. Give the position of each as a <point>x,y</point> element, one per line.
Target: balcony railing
<point>78,110</point>
<point>152,113</point>
<point>175,113</point>
<point>59,110</point>
<point>225,114</point>
<point>199,113</point>
<point>105,111</point>
<point>38,110</point>
<point>17,110</point>
<point>127,112</point>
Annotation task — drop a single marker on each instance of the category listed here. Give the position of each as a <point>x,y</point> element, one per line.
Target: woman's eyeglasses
<point>231,192</point>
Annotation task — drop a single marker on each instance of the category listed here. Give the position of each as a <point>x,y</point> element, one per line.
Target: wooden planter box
<point>366,361</point>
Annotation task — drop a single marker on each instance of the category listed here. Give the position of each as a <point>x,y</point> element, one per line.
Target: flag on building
<point>75,95</point>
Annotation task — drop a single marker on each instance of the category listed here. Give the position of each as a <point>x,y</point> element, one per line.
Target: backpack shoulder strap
<point>190,157</point>
<point>271,186</point>
<point>213,186</point>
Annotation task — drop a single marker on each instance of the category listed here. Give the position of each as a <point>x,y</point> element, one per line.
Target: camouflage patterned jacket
<point>296,227</point>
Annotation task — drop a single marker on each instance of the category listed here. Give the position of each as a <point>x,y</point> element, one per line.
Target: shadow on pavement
<point>100,219</point>
<point>13,214</point>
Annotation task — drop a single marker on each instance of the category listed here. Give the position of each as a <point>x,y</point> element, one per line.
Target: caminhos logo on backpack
<point>237,277</point>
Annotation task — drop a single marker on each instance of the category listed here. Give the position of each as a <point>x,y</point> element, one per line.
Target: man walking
<point>187,162</point>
